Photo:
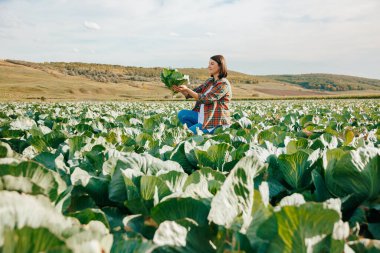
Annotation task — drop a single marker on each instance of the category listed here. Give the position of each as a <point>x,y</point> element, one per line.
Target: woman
<point>212,99</point>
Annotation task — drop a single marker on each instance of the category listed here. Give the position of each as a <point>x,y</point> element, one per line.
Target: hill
<point>329,82</point>
<point>21,80</point>
<point>116,73</point>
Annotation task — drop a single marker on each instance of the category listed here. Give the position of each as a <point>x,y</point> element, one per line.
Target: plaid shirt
<point>215,102</point>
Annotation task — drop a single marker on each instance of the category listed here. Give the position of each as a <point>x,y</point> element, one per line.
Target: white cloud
<point>91,25</point>
<point>174,34</point>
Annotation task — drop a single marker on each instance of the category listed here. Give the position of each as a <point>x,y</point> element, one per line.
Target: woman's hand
<point>186,91</point>
<point>182,88</point>
<point>175,88</point>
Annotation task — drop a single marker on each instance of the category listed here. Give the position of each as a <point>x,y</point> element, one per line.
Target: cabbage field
<point>286,176</point>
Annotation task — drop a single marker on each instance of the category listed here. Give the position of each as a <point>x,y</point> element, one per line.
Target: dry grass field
<point>24,83</point>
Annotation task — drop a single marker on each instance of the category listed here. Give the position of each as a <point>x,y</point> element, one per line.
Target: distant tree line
<point>328,85</point>
<point>105,76</point>
<point>117,73</point>
<point>329,82</point>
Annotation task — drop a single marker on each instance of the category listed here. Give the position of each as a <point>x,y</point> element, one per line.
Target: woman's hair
<point>222,65</point>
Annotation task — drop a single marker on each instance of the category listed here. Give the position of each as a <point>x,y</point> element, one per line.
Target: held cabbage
<point>172,77</point>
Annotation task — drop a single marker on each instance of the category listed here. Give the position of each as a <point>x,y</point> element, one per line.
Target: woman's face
<point>213,67</point>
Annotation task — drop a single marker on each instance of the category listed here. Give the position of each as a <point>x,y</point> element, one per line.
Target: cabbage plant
<point>170,77</point>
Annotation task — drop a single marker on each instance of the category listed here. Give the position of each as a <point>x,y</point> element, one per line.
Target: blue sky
<point>256,37</point>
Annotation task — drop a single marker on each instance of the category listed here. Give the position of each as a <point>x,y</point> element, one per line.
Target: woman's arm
<point>217,92</point>
<point>184,92</point>
<point>200,87</point>
<point>187,92</point>
<point>192,93</point>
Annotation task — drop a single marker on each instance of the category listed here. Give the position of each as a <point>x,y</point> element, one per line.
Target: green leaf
<point>170,233</point>
<point>32,240</point>
<point>55,138</point>
<point>151,185</point>
<point>213,178</point>
<point>329,141</point>
<point>295,145</point>
<point>115,218</point>
<point>235,198</point>
<point>356,172</point>
<point>89,214</point>
<point>290,228</point>
<point>348,136</point>
<point>179,156</point>
<point>22,123</point>
<point>321,191</point>
<point>116,189</point>
<point>228,240</point>
<point>31,178</point>
<point>260,213</point>
<point>305,120</point>
<point>96,157</point>
<point>28,231</point>
<point>149,165</point>
<point>296,168</point>
<point>181,208</point>
<point>365,245</point>
<point>132,245</point>
<point>374,228</point>
<point>174,180</point>
<point>137,165</point>
<point>46,159</point>
<point>76,143</point>
<point>96,187</point>
<point>214,156</point>
<point>138,224</point>
<point>143,192</point>
<point>17,145</point>
<point>5,150</point>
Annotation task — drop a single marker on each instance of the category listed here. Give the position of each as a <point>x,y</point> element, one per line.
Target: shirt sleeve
<point>198,89</point>
<point>216,93</point>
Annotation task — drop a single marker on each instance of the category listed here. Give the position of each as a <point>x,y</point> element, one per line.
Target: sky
<point>256,37</point>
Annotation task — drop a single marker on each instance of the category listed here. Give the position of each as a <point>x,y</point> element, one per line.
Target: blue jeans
<point>190,118</point>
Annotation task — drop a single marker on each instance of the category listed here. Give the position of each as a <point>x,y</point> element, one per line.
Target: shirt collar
<point>214,81</point>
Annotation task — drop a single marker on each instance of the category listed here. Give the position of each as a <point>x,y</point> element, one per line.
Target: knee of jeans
<point>180,114</point>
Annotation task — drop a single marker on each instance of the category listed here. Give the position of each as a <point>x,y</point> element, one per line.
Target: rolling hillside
<point>329,82</point>
<point>20,80</point>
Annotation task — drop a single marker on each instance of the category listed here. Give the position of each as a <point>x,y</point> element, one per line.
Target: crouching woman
<point>211,109</point>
